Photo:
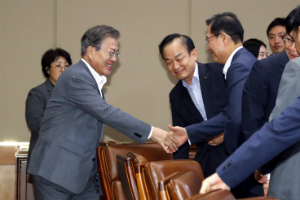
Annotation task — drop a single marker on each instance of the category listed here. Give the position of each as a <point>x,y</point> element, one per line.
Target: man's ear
<point>194,54</point>
<point>90,52</point>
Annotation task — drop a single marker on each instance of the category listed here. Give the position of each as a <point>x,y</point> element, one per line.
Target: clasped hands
<point>170,141</point>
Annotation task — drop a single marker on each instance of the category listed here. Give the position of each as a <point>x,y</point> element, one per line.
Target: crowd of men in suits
<point>221,107</point>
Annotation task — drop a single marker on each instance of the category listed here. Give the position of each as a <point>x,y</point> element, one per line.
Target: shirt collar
<point>228,62</point>
<point>196,75</point>
<point>100,80</point>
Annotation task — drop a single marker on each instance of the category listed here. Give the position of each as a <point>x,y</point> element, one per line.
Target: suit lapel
<point>49,86</point>
<point>204,77</point>
<point>284,60</point>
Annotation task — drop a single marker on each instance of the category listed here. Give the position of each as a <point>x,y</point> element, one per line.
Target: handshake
<point>170,141</point>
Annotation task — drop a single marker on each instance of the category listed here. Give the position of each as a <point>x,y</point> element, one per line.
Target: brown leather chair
<point>131,168</point>
<point>182,185</point>
<point>107,162</point>
<point>158,173</point>
<point>224,195</point>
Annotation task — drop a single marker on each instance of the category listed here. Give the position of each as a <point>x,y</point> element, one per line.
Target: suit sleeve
<point>255,97</point>
<point>273,138</point>
<point>87,98</point>
<point>34,111</point>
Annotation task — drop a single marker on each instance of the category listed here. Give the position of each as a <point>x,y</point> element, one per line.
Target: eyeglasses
<point>60,67</point>
<point>206,39</point>
<point>111,53</point>
<point>288,41</point>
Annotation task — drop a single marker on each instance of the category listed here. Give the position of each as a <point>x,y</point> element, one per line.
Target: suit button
<point>231,161</point>
<point>93,159</point>
<point>224,167</point>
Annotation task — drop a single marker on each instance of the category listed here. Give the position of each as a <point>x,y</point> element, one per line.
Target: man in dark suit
<point>224,38</point>
<point>199,95</point>
<point>63,161</point>
<point>274,137</point>
<point>260,92</point>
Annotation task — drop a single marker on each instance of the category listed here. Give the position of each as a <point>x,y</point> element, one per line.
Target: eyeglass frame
<point>112,54</point>
<point>206,39</point>
<point>60,68</point>
<point>290,39</point>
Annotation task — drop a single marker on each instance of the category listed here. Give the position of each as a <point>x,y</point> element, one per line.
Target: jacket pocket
<point>72,146</point>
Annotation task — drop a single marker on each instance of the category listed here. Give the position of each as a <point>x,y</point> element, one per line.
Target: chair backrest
<point>182,186</point>
<point>130,168</point>
<point>107,162</point>
<point>157,171</point>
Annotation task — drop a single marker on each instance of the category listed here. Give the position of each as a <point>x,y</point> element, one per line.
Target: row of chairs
<point>145,172</point>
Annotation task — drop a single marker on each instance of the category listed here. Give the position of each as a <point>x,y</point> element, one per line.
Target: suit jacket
<point>229,120</point>
<point>35,106</point>
<point>273,138</point>
<point>72,128</point>
<point>285,174</point>
<point>260,92</point>
<point>184,113</point>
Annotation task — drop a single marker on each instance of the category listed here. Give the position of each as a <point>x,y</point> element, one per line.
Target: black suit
<point>184,113</point>
<point>35,106</point>
<point>260,92</point>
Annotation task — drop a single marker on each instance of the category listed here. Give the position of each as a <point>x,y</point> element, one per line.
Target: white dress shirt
<point>229,60</point>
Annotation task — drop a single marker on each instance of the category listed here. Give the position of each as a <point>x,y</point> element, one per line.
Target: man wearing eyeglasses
<point>259,95</point>
<point>63,161</point>
<point>273,138</point>
<point>284,173</point>
<point>224,38</point>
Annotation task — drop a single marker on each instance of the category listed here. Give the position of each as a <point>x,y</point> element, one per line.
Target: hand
<point>266,188</point>
<point>179,133</point>
<point>165,139</point>
<point>216,140</point>
<point>213,182</point>
<point>259,177</point>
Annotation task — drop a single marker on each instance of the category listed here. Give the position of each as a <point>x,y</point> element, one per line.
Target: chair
<point>158,173</point>
<point>107,162</point>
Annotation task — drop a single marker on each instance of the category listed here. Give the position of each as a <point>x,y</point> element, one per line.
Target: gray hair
<point>95,36</point>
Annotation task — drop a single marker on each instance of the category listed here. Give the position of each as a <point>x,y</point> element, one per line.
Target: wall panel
<point>26,32</point>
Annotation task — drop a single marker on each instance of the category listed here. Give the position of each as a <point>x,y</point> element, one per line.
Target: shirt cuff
<point>189,142</point>
<point>149,136</point>
<point>268,176</point>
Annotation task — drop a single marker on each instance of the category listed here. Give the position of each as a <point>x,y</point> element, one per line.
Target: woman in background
<point>54,62</point>
<point>257,48</point>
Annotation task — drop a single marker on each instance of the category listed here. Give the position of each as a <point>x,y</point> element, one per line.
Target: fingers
<point>212,183</point>
<point>172,128</point>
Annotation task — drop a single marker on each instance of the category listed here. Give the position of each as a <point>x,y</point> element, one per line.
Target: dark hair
<point>186,41</point>
<point>253,45</point>
<point>94,36</point>
<point>228,23</point>
<point>52,55</point>
<point>293,20</point>
<point>276,22</point>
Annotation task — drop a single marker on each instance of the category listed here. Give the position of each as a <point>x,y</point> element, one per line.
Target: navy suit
<point>229,120</point>
<point>274,137</point>
<point>260,92</point>
<point>35,106</point>
<point>184,113</point>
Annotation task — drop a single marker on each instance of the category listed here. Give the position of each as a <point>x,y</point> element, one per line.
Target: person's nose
<point>278,39</point>
<point>114,58</point>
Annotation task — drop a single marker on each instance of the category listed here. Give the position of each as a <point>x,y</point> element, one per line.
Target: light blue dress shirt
<point>195,92</point>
